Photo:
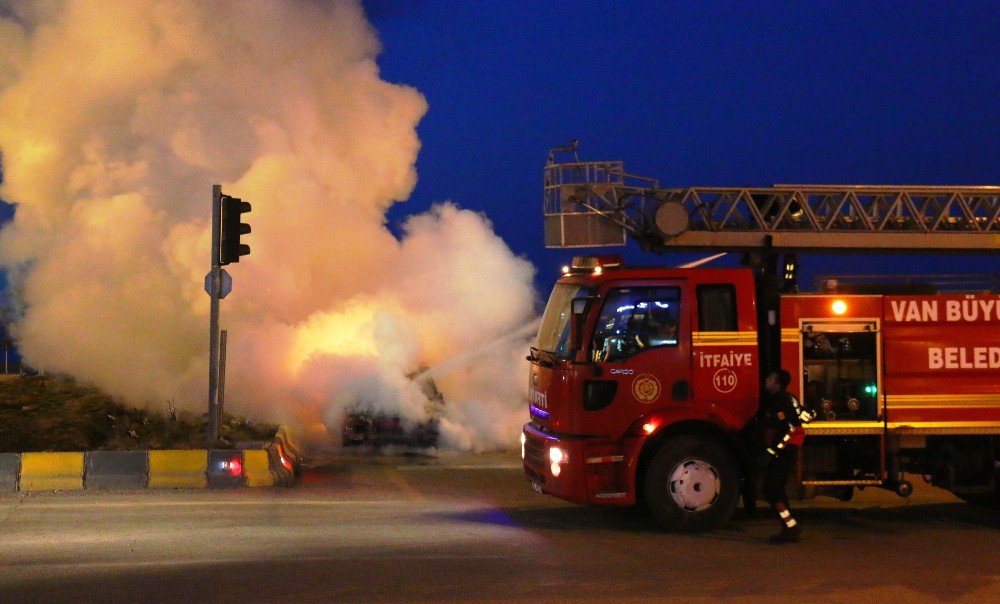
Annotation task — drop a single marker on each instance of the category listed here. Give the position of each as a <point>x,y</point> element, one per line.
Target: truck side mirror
<point>578,311</point>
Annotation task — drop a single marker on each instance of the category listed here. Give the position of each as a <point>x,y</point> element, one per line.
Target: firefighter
<point>782,418</point>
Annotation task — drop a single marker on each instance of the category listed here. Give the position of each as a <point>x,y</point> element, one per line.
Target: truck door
<point>641,353</point>
<point>841,383</point>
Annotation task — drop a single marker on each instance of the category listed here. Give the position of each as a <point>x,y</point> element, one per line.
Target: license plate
<point>536,487</point>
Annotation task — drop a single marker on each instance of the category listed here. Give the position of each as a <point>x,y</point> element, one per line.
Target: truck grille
<point>534,476</point>
<point>534,452</point>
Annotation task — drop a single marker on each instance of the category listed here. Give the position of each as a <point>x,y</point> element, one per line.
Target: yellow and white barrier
<point>51,471</point>
<point>178,469</point>
<point>257,468</point>
<point>275,464</point>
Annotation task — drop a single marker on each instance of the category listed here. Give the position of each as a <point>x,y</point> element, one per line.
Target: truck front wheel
<point>691,485</point>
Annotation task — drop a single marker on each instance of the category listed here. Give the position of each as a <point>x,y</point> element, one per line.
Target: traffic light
<point>230,248</point>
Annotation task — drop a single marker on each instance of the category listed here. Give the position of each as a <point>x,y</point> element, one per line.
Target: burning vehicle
<point>364,426</point>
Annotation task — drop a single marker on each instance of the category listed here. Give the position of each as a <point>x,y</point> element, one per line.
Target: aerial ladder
<point>598,203</point>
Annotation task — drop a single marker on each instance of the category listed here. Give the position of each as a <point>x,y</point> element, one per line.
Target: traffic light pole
<point>212,428</point>
<point>227,247</point>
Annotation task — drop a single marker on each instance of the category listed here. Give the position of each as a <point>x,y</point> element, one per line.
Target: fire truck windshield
<point>553,335</point>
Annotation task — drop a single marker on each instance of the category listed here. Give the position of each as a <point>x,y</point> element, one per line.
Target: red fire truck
<point>642,379</point>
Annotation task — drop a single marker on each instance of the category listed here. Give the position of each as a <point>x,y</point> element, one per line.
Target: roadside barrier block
<point>272,465</point>
<point>10,467</point>
<point>178,469</point>
<point>290,450</point>
<point>225,468</point>
<point>257,468</point>
<point>51,471</point>
<point>116,469</point>
<point>282,466</point>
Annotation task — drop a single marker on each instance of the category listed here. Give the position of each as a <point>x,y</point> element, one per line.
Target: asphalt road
<point>468,528</point>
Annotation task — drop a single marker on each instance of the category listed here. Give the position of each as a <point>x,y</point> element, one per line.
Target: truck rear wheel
<point>691,485</point>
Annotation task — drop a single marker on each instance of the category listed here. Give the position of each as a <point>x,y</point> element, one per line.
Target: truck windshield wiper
<point>541,357</point>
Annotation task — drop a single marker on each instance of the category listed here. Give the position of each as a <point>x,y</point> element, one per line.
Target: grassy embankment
<point>39,413</point>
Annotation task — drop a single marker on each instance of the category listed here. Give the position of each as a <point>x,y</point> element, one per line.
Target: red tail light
<point>235,466</point>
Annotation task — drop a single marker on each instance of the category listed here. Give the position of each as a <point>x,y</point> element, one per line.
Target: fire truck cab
<point>643,377</point>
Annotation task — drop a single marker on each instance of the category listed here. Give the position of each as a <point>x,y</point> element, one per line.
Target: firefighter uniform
<point>782,417</point>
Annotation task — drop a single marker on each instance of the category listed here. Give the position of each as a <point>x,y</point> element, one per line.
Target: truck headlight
<point>557,456</point>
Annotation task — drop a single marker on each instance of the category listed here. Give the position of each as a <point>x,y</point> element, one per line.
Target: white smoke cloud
<point>115,120</point>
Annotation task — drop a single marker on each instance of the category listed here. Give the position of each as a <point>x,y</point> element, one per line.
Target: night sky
<point>697,94</point>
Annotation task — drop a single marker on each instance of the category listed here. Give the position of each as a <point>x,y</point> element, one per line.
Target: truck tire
<point>691,485</point>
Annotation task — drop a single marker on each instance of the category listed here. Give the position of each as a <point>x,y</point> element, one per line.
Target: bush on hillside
<point>40,413</point>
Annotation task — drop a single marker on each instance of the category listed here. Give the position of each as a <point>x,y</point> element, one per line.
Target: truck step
<point>842,483</point>
<point>610,495</point>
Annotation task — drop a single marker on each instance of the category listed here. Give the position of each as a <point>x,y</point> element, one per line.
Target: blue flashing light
<point>542,413</point>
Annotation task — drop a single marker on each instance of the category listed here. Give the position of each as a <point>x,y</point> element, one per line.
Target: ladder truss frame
<point>795,217</point>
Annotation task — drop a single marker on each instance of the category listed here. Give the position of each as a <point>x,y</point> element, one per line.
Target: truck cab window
<point>717,308</point>
<point>636,319</point>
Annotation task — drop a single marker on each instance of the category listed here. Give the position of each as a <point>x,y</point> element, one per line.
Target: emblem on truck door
<point>646,388</point>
